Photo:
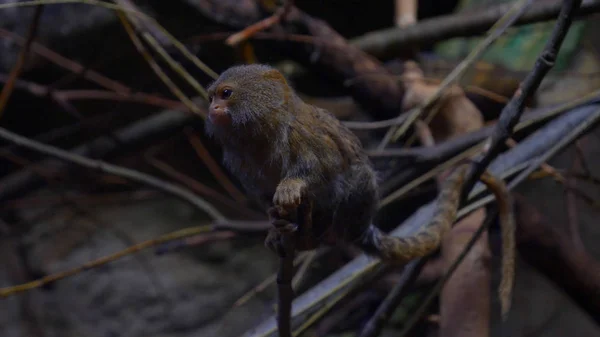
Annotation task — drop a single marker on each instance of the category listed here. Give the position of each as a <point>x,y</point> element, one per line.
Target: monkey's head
<point>247,97</point>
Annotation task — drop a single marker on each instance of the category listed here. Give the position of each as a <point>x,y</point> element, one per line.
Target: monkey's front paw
<point>289,194</point>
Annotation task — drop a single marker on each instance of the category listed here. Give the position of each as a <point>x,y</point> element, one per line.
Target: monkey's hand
<point>289,194</point>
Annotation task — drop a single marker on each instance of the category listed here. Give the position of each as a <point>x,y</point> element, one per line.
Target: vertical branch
<point>406,12</point>
<point>285,293</point>
<point>512,112</point>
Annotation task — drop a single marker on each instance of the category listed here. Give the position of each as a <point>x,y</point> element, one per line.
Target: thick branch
<point>389,42</point>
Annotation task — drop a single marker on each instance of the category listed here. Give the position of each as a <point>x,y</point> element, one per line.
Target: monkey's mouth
<point>219,117</point>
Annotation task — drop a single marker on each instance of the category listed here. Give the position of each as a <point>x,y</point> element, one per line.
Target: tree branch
<point>390,42</point>
<point>512,111</point>
<point>101,166</point>
<point>148,128</point>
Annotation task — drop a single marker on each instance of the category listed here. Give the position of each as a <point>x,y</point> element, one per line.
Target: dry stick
<point>511,113</point>
<point>155,32</point>
<point>385,310</point>
<point>22,58</point>
<point>71,95</point>
<point>130,11</point>
<point>136,97</point>
<point>198,187</point>
<point>156,68</point>
<point>301,273</point>
<point>266,23</point>
<point>213,167</point>
<point>285,292</point>
<point>91,199</point>
<point>494,33</point>
<point>68,64</point>
<point>176,235</point>
<point>123,172</point>
<point>152,36</point>
<point>266,283</point>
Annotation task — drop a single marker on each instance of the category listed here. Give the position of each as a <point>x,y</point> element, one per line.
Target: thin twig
<point>285,292</point>
<point>198,187</point>
<point>301,273</point>
<point>156,68</point>
<point>123,172</point>
<point>5,292</point>
<point>213,167</point>
<point>130,11</point>
<point>266,23</point>
<point>390,303</point>
<point>69,95</point>
<point>157,32</point>
<point>21,59</point>
<point>511,113</point>
<point>68,64</point>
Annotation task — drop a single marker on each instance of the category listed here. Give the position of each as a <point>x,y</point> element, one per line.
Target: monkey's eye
<point>226,93</point>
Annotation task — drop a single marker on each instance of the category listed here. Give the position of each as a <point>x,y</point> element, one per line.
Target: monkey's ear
<point>275,75</point>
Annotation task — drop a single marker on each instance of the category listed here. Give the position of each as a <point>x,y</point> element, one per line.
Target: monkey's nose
<point>217,114</point>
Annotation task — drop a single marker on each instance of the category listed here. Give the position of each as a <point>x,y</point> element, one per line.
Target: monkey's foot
<point>281,226</point>
<point>289,194</point>
<point>275,237</point>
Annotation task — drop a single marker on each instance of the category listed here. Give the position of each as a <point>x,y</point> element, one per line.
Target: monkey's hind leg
<point>507,227</point>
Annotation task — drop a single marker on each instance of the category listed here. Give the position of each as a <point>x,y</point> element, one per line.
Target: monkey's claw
<point>289,194</point>
<point>273,242</point>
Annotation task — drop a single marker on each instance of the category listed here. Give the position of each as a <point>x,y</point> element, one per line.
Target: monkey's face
<point>246,101</point>
<point>219,112</point>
